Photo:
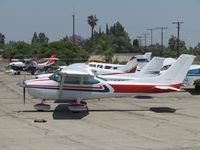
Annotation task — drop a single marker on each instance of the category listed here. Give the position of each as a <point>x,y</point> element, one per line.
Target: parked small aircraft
<point>151,69</point>
<point>32,66</point>
<point>78,83</point>
<point>104,68</point>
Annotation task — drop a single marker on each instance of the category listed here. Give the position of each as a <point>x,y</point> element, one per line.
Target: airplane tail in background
<point>153,67</point>
<point>50,62</point>
<point>131,66</point>
<point>148,55</point>
<point>177,72</point>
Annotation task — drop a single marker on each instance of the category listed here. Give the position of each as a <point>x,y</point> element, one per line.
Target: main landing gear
<point>78,106</point>
<point>42,106</point>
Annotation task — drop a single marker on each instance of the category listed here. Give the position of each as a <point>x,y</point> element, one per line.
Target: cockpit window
<point>56,77</point>
<point>90,80</point>
<point>72,80</point>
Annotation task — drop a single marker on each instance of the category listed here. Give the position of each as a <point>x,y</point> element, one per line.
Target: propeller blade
<point>24,94</point>
<point>24,91</point>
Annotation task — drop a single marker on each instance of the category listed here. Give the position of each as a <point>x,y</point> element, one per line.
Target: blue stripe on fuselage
<point>106,89</point>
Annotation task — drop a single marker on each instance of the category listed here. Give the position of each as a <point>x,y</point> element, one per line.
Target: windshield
<point>56,76</point>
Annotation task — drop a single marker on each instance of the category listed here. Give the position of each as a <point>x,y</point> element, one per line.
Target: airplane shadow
<point>143,97</point>
<point>62,112</point>
<point>153,109</point>
<point>192,91</point>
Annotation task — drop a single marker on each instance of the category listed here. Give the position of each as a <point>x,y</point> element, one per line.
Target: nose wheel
<point>42,106</point>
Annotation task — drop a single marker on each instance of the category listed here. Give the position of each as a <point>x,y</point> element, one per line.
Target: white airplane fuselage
<point>51,90</point>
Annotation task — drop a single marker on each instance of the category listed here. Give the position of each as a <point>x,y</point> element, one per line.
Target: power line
<point>161,45</point>
<point>178,42</point>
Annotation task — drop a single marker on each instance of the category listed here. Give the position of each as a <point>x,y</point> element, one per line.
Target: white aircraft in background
<point>78,83</point>
<point>193,74</point>
<point>151,69</point>
<point>17,67</point>
<point>104,68</point>
<point>143,60</point>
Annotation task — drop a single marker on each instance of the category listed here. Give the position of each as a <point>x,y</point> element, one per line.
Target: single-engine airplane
<point>33,66</point>
<point>78,83</point>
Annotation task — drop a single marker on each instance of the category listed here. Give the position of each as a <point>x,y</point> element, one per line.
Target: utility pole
<point>145,39</point>
<point>73,16</point>
<point>178,41</point>
<point>151,31</point>
<point>161,45</point>
<point>140,38</point>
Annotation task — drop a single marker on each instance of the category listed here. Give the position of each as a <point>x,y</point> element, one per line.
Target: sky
<point>19,19</point>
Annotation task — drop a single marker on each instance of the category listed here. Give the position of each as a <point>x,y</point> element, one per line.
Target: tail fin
<point>148,55</point>
<point>177,72</point>
<point>131,66</point>
<point>49,62</point>
<point>153,67</point>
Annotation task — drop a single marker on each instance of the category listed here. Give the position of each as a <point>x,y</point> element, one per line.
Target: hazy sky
<point>19,19</point>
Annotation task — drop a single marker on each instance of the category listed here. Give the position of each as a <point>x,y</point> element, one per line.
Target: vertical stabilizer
<point>177,72</point>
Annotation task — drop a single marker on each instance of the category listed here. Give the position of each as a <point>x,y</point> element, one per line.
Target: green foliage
<point>2,40</point>
<point>40,38</point>
<point>64,49</point>
<point>115,39</point>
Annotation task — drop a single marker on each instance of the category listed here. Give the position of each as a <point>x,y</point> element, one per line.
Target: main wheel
<point>42,107</point>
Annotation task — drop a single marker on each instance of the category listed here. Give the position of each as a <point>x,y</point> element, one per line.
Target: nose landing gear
<point>42,106</point>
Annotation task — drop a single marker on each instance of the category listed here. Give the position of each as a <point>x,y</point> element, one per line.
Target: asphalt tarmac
<point>142,122</point>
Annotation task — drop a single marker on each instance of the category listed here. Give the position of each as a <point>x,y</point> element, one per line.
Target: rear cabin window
<point>72,80</point>
<point>90,80</point>
<point>92,65</point>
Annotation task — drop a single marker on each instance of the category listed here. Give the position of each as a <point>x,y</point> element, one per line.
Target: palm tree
<point>92,21</point>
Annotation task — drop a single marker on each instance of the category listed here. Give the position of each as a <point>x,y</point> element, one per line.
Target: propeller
<point>22,84</point>
<point>24,91</point>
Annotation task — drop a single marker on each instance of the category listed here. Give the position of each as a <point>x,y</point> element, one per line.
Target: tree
<point>2,40</point>
<point>92,21</point>
<point>107,29</point>
<point>117,29</point>
<point>43,38</point>
<point>173,44</point>
<point>35,38</point>
<point>135,43</point>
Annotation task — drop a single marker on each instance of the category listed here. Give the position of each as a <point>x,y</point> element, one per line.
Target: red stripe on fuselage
<point>119,88</point>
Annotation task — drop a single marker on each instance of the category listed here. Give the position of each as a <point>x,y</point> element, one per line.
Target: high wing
<point>77,69</point>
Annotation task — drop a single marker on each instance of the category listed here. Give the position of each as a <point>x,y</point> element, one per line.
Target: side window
<point>99,66</point>
<point>90,80</point>
<point>72,80</point>
<point>108,67</point>
<point>92,65</point>
<point>114,67</point>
